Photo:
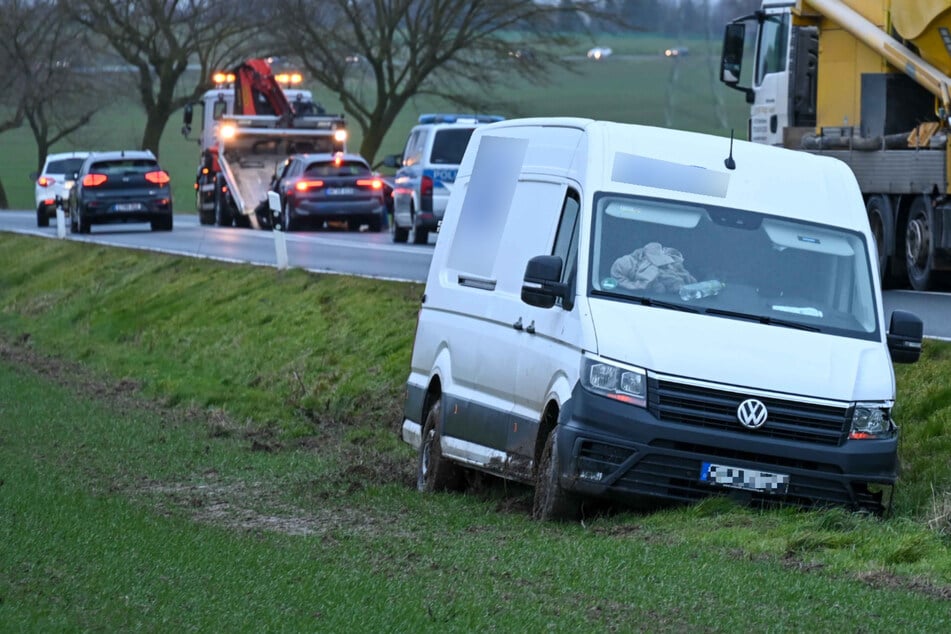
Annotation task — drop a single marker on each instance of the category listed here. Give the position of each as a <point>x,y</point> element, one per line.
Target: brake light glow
<point>94,180</point>
<point>303,186</point>
<point>338,160</point>
<point>426,186</point>
<point>159,177</point>
<point>340,135</point>
<point>45,181</point>
<point>372,183</point>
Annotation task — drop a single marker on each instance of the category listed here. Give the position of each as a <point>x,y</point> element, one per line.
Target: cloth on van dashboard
<point>653,267</point>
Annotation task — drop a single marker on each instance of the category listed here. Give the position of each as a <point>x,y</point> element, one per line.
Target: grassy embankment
<point>213,447</point>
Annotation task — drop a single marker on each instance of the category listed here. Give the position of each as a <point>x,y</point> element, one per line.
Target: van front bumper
<point>615,450</point>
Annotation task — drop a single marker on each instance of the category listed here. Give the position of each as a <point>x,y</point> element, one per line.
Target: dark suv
<point>125,186</point>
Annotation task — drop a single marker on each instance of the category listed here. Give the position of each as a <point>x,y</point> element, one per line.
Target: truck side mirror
<point>542,282</point>
<point>187,120</point>
<point>904,337</point>
<point>731,59</point>
<point>393,160</point>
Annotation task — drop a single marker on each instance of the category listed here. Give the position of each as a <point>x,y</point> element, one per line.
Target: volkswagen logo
<point>752,413</point>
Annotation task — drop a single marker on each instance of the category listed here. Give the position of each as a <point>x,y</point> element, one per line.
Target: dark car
<point>318,188</point>
<point>125,186</point>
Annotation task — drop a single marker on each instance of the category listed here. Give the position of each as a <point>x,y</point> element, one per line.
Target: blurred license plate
<point>738,478</point>
<point>340,191</point>
<point>128,207</point>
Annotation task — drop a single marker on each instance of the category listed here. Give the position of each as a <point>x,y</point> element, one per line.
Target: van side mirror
<point>905,332</point>
<point>393,160</point>
<point>731,58</point>
<point>542,283</point>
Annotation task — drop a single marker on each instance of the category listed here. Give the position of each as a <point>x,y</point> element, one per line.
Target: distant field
<point>637,84</point>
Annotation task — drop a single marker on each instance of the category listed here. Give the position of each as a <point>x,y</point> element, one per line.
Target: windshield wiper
<point>763,319</point>
<point>649,301</point>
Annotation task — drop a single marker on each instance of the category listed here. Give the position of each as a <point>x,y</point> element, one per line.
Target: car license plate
<point>340,191</point>
<point>739,478</point>
<point>128,207</point>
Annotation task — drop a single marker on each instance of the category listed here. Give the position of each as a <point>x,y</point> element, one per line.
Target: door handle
<point>530,329</point>
<point>518,325</point>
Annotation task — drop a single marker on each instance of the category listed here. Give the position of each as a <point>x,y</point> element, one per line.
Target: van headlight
<point>871,420</point>
<point>624,383</point>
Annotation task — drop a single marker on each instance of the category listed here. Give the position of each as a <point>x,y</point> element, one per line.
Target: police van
<point>427,170</point>
<point>623,311</point>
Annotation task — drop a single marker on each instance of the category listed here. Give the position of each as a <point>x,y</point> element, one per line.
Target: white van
<point>624,311</point>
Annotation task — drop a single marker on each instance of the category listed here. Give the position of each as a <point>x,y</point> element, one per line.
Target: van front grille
<point>704,406</point>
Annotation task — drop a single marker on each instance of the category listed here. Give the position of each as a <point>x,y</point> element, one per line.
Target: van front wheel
<point>551,501</point>
<point>433,472</point>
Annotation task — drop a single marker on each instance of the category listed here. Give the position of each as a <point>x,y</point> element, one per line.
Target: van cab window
<point>566,240</point>
<point>734,264</point>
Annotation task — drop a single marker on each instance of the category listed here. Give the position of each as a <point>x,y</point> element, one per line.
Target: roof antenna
<point>728,161</point>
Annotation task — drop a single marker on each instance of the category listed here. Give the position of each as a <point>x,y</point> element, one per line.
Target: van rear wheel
<point>434,472</point>
<point>551,501</point>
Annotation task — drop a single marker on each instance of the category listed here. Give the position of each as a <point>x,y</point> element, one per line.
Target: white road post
<point>280,239</point>
<point>60,220</point>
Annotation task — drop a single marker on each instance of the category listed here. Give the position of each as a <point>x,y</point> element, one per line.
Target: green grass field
<point>188,445</point>
<point>191,445</point>
<point>636,85</point>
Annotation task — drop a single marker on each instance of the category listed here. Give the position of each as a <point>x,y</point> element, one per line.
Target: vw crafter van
<point>623,311</point>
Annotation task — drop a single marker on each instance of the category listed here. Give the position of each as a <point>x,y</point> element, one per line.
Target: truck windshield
<point>773,44</point>
<point>733,264</point>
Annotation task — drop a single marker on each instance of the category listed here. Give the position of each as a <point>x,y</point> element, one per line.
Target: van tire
<point>552,503</point>
<point>433,472</point>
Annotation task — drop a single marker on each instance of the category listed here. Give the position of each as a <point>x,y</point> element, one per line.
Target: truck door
<point>769,113</point>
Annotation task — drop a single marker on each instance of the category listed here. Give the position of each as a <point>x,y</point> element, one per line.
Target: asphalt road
<point>328,251</point>
<point>364,254</point>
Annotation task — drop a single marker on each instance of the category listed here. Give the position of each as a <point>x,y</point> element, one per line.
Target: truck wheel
<point>433,472</point>
<point>919,245</point>
<point>880,216</point>
<point>551,501</point>
<point>400,234</point>
<point>205,216</point>
<point>42,219</point>
<point>223,215</point>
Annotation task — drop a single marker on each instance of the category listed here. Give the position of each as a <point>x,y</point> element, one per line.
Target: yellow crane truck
<point>864,81</point>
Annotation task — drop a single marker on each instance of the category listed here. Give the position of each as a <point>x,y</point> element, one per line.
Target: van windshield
<point>733,264</point>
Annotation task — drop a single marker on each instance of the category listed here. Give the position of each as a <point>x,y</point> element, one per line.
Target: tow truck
<point>251,121</point>
<point>866,82</point>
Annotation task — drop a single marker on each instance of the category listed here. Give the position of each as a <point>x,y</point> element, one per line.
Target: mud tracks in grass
<point>282,502</point>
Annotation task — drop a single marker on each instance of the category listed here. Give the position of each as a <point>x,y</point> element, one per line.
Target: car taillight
<point>372,183</point>
<point>45,181</point>
<point>303,186</point>
<point>426,193</point>
<point>94,180</point>
<point>159,177</point>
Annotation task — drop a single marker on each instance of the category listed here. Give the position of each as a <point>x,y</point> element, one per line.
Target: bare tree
<point>161,40</point>
<point>42,47</point>
<point>376,55</point>
<point>11,82</point>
